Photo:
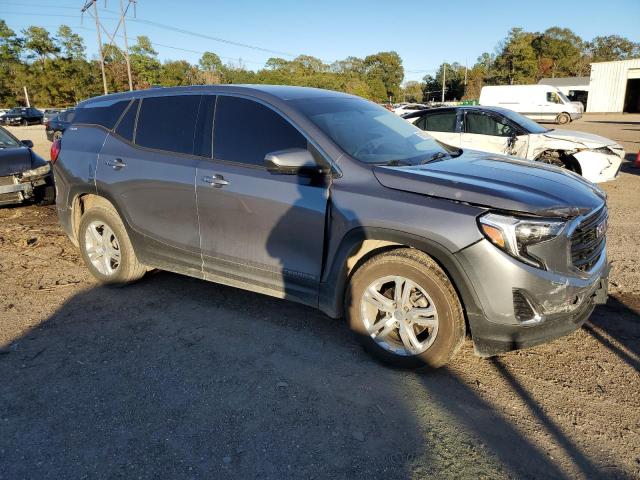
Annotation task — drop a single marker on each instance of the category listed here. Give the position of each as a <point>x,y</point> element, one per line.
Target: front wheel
<point>405,311</point>
<point>563,118</point>
<point>106,248</point>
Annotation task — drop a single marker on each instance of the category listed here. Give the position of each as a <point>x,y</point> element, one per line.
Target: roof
<point>459,107</point>
<point>564,81</point>
<point>280,92</point>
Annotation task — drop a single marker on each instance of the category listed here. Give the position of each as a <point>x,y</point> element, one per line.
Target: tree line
<point>55,68</point>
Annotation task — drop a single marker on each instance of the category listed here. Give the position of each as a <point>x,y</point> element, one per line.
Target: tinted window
<point>105,112</point>
<point>482,124</point>
<point>421,123</point>
<point>126,125</point>
<point>168,123</point>
<point>442,122</point>
<point>245,131</point>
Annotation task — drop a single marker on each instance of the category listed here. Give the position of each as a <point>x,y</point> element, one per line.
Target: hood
<point>14,160</point>
<point>589,140</point>
<point>499,182</point>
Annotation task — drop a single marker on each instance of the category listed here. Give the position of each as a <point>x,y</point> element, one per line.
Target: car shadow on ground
<point>177,377</point>
<point>616,326</point>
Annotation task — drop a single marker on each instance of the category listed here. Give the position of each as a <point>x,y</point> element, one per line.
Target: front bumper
<point>575,115</point>
<point>561,302</point>
<point>18,188</point>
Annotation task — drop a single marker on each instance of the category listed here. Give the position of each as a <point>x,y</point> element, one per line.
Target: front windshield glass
<point>563,97</point>
<point>526,123</point>
<point>368,132</point>
<point>7,140</point>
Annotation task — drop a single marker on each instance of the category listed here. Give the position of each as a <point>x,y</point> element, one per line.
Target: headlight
<point>514,235</point>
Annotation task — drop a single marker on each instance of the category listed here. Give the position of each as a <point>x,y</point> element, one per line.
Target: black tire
<point>46,195</point>
<point>423,271</point>
<point>129,268</point>
<point>563,119</point>
<point>24,123</point>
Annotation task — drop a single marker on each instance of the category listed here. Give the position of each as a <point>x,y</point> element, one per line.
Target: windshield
<point>369,133</point>
<point>525,122</point>
<point>563,97</point>
<point>6,140</point>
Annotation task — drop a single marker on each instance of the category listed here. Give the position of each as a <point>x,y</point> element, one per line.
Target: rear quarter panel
<point>75,169</point>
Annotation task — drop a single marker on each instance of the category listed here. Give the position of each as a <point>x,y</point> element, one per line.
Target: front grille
<point>588,240</point>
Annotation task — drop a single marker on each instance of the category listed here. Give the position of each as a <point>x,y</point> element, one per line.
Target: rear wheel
<point>563,118</point>
<point>106,248</point>
<point>24,123</point>
<point>405,311</point>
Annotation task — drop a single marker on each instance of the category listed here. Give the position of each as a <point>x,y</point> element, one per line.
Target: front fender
<point>336,275</point>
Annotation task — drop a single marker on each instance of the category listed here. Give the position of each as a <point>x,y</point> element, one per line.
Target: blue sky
<point>424,33</point>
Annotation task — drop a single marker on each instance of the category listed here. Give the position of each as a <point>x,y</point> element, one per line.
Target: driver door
<point>492,133</point>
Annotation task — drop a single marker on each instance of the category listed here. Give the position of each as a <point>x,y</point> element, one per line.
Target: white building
<point>615,87</point>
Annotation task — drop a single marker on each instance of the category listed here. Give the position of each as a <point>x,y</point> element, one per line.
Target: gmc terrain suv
<point>330,200</point>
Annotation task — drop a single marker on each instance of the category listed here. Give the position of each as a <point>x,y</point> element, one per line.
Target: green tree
<point>516,61</point>
<point>558,51</point>
<point>387,68</point>
<point>70,44</point>
<point>145,67</point>
<point>10,65</point>
<point>612,47</point>
<point>412,91</point>
<point>39,43</point>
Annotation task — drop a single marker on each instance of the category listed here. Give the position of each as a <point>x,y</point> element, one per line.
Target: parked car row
<point>331,200</point>
<point>22,116</point>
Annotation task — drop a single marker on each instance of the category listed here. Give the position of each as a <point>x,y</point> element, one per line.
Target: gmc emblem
<point>601,229</point>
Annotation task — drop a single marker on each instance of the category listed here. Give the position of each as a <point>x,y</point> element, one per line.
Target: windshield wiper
<point>395,163</point>
<point>434,157</point>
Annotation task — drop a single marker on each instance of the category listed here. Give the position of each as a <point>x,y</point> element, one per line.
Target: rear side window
<point>127,124</point>
<point>441,122</point>
<point>245,131</point>
<point>105,113</point>
<point>168,123</point>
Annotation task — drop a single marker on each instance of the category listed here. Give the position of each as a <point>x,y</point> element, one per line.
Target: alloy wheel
<point>102,248</point>
<point>399,315</point>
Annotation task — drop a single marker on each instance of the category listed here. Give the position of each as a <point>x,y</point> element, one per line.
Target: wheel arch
<point>82,202</point>
<point>361,243</point>
<point>566,158</point>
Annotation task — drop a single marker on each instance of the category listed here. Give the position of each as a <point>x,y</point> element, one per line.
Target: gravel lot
<point>178,378</point>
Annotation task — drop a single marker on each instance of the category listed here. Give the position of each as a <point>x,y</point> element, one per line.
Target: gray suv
<point>332,201</point>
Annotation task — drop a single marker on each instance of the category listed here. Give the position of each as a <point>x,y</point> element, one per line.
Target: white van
<point>538,102</point>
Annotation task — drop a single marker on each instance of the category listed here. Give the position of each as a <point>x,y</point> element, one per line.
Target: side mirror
<point>292,161</point>
<point>27,143</point>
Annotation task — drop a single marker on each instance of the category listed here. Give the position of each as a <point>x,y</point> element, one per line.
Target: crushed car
<point>24,175</point>
<point>503,131</point>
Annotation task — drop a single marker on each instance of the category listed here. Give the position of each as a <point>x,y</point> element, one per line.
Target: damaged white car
<point>495,129</point>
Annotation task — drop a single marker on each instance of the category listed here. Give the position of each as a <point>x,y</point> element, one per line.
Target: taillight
<point>55,150</point>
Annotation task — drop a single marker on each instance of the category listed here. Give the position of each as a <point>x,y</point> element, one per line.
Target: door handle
<point>217,181</point>
<point>117,164</point>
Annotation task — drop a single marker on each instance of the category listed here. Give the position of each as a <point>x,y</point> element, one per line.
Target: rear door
<point>441,125</point>
<point>147,167</point>
<point>489,132</point>
<point>259,230</point>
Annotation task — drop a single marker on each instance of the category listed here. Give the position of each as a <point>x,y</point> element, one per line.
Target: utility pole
<point>26,96</point>
<point>444,78</point>
<point>123,12</point>
<point>95,14</point>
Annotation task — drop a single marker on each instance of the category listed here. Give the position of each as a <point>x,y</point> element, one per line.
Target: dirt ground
<point>178,378</point>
